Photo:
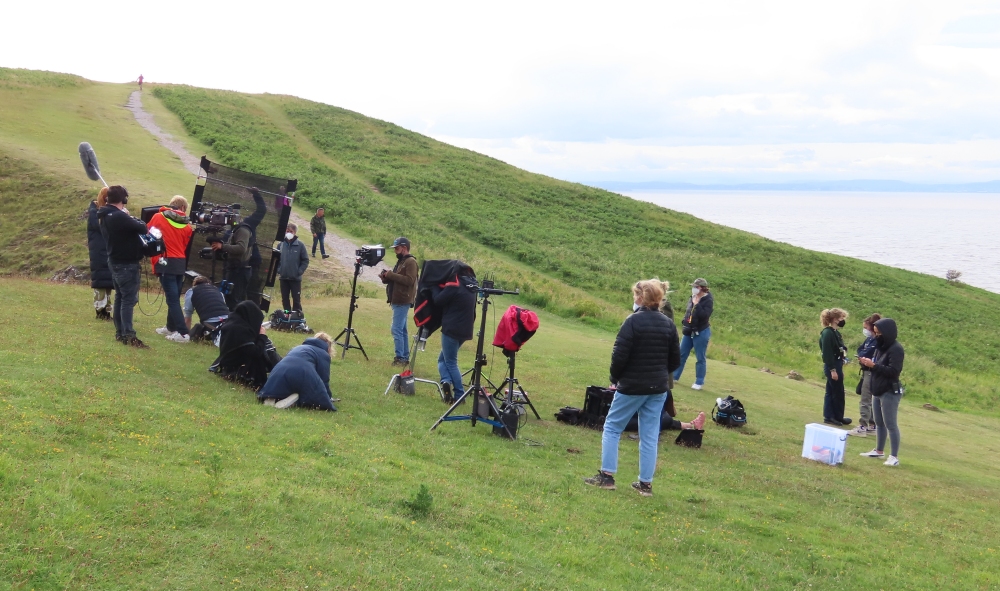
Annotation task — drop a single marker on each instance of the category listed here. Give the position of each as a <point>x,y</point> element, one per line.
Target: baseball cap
<point>401,241</point>
<point>699,282</point>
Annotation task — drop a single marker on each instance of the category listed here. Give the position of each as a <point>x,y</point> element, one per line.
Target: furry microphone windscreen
<point>89,159</point>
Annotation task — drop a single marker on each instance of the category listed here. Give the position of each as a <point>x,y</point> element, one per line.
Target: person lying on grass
<point>302,378</point>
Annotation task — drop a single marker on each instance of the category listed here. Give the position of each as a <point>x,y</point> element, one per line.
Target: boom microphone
<point>89,159</point>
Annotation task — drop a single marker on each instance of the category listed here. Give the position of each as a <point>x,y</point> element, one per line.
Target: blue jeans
<point>172,293</point>
<point>448,363</point>
<point>319,240</point>
<point>623,407</point>
<point>126,281</point>
<point>399,335</point>
<point>698,342</point>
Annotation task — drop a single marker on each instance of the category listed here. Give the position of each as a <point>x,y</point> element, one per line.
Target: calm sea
<point>924,232</point>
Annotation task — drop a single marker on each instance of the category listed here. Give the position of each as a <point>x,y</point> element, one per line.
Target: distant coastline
<point>874,186</point>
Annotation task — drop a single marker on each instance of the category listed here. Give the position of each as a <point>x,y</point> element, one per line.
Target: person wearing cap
<point>697,331</point>
<point>400,291</point>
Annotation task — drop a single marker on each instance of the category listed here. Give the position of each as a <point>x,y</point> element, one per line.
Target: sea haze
<point>924,232</point>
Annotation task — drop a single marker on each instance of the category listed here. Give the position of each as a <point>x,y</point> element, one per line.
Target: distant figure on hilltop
<point>140,82</point>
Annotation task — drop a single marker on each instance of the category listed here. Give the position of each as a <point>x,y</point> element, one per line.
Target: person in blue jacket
<point>866,424</point>
<point>302,378</point>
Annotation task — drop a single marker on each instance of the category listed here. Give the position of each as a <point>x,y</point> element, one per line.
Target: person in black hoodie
<point>100,273</point>
<point>457,299</point>
<point>246,355</point>
<point>121,233</point>
<point>885,367</point>
<point>697,331</point>
<point>646,350</point>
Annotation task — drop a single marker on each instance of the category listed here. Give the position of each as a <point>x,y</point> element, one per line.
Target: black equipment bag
<point>729,412</point>
<point>406,383</point>
<point>596,403</point>
<point>569,415</point>
<point>689,438</point>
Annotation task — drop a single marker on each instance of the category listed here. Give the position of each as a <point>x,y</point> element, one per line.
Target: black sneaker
<point>845,421</point>
<point>326,256</point>
<point>833,422</point>
<point>601,480</point>
<point>643,488</point>
<point>446,396</point>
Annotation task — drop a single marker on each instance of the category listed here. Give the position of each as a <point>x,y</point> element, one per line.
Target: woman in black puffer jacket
<point>100,273</point>
<point>645,352</point>
<point>885,368</point>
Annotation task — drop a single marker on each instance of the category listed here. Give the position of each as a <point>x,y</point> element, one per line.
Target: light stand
<point>418,344</point>
<point>477,374</point>
<point>510,382</point>
<point>349,332</point>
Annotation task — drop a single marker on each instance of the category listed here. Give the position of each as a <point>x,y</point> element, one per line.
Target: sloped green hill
<point>378,180</point>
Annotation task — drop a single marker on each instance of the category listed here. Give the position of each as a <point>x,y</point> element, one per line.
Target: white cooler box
<point>824,443</point>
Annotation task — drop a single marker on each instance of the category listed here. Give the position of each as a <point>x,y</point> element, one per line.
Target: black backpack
<point>729,412</point>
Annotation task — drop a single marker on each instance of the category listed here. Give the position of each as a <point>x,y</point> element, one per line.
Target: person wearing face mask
<point>400,292</point>
<point>866,424</point>
<point>697,331</point>
<point>831,344</point>
<point>294,262</point>
<point>885,368</point>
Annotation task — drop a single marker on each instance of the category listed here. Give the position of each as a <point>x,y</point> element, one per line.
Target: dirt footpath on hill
<point>341,250</point>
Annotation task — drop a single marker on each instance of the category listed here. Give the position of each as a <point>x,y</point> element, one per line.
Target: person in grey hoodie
<point>294,262</point>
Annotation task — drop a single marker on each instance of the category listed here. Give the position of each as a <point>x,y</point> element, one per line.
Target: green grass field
<point>126,469</point>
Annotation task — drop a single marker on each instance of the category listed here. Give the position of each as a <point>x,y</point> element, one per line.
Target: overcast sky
<point>627,91</point>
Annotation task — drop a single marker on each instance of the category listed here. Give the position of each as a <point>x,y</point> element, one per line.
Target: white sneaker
<point>178,337</point>
<point>163,330</point>
<point>286,402</point>
<point>892,461</point>
<point>269,401</point>
<point>859,431</point>
<point>873,454</point>
<point>696,386</point>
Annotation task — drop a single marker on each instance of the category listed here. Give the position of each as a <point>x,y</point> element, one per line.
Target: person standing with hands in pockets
<point>697,331</point>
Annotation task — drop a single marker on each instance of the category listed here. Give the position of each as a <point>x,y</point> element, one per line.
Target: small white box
<point>824,444</point>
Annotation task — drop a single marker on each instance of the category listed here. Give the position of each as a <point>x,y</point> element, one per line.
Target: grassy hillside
<point>575,250</point>
<point>126,469</point>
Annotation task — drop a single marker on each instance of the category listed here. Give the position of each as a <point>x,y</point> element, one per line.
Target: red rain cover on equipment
<point>516,326</point>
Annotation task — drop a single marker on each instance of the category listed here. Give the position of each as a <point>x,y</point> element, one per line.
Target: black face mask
<point>842,323</point>
<point>880,340</point>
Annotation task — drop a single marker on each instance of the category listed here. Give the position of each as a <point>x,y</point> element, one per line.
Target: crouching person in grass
<point>645,352</point>
<point>246,355</point>
<point>302,378</point>
<point>205,299</point>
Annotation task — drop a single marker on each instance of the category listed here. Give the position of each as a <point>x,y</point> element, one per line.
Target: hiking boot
<point>833,422</point>
<point>178,337</point>
<point>601,480</point>
<point>859,431</point>
<point>873,454</point>
<point>891,461</point>
<point>696,386</point>
<point>164,331</point>
<point>446,395</point>
<point>326,256</point>
<point>135,342</point>
<point>643,488</point>
<point>400,362</point>
<point>286,402</point>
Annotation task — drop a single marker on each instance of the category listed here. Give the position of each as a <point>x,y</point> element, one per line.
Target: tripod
<point>417,341</point>
<point>349,332</point>
<point>476,387</point>
<point>510,382</point>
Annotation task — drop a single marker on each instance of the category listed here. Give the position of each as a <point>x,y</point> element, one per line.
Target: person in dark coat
<point>866,422</point>
<point>100,273</point>
<point>646,350</point>
<point>293,263</point>
<point>697,331</point>
<point>246,355</point>
<point>457,300</point>
<point>885,368</point>
<point>831,345</point>
<point>302,378</point>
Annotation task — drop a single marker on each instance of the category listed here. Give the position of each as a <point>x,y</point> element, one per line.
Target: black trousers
<point>833,402</point>
<point>240,277</point>
<point>293,288</point>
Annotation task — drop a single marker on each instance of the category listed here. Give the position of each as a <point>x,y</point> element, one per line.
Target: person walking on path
<point>885,367</point>
<point>294,262</point>
<point>100,273</point>
<point>697,331</point>
<point>866,424</point>
<point>318,226</point>
<point>140,82</point>
<point>831,344</point>
<point>400,291</point>
<point>175,227</point>
<point>646,351</point>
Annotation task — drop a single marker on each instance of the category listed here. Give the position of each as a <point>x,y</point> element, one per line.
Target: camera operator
<point>294,262</point>
<point>238,250</point>
<point>400,291</point>
<point>207,300</point>
<point>173,223</point>
<point>121,233</point>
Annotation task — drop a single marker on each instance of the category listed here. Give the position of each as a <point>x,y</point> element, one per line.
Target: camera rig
<point>369,255</point>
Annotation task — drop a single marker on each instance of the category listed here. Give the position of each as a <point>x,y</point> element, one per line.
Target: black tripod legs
<point>348,334</point>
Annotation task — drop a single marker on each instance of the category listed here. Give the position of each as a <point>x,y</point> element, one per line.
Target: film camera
<point>212,218</point>
<point>370,255</point>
